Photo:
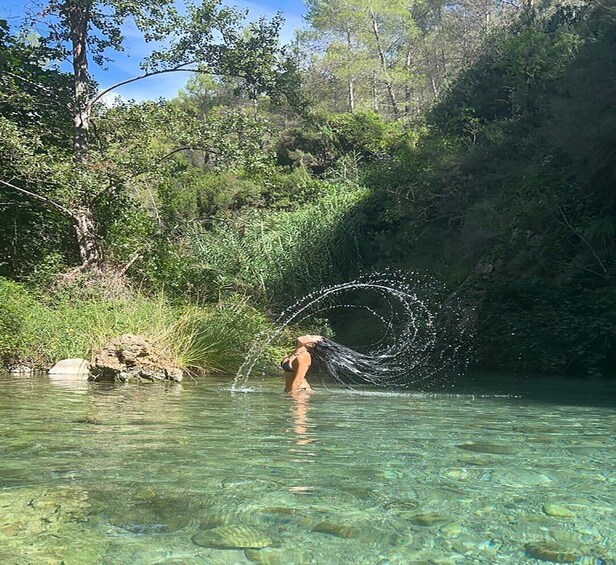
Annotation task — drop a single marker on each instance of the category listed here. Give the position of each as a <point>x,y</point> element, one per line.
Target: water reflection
<point>301,454</point>
<point>72,383</point>
<point>299,412</point>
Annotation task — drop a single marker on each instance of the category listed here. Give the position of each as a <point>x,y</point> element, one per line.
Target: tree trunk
<point>87,239</point>
<point>408,91</point>
<point>351,83</point>
<point>351,99</point>
<point>388,82</point>
<point>77,14</point>
<point>375,94</point>
<point>434,87</point>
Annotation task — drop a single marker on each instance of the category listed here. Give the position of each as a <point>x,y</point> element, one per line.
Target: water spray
<point>410,350</point>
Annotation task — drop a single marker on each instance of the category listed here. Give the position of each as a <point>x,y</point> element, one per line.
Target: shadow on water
<point>540,389</point>
<point>524,389</point>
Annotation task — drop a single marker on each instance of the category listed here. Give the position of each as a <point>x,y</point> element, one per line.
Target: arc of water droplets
<point>410,351</point>
<point>381,318</point>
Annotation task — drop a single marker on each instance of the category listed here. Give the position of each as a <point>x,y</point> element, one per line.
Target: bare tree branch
<point>178,69</point>
<point>44,199</point>
<point>130,263</point>
<point>585,242</point>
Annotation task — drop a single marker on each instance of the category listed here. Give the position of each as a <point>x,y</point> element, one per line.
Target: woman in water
<point>297,364</point>
<point>345,365</point>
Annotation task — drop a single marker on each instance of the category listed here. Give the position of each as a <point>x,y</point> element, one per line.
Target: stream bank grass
<point>215,338</point>
<point>37,331</point>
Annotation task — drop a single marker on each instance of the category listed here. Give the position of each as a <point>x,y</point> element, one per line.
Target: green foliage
<point>40,330</point>
<point>550,329</point>
<point>271,256</point>
<point>17,310</point>
<point>98,177</point>
<point>276,257</point>
<point>192,195</point>
<point>25,79</point>
<point>70,324</point>
<point>514,73</point>
<point>325,139</point>
<point>34,131</point>
<point>216,339</point>
<point>500,195</point>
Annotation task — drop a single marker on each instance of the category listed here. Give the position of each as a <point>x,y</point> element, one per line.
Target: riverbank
<point>38,329</point>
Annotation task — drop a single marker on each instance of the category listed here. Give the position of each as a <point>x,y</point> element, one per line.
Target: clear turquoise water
<point>191,473</point>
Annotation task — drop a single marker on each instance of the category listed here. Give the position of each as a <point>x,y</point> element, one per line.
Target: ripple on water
<point>233,537</point>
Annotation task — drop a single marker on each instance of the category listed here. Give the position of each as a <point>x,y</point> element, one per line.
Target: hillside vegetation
<point>491,168</point>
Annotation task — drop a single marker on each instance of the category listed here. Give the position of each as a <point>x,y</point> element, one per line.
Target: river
<point>496,469</point>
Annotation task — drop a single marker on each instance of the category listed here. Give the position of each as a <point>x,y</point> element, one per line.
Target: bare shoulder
<point>304,357</point>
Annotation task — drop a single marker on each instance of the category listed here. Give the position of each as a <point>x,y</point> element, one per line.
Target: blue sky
<point>126,64</point>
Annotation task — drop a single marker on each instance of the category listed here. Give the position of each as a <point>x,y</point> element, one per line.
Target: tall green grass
<point>216,338</point>
<point>280,255</point>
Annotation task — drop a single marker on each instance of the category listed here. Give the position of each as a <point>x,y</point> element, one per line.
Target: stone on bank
<point>131,358</point>
<point>21,370</point>
<point>70,368</point>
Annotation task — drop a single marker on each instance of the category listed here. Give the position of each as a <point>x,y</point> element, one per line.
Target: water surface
<point>494,471</point>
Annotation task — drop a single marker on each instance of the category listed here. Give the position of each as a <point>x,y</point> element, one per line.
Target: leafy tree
<point>34,120</point>
<point>335,30</point>
<point>396,57</point>
<point>208,39</point>
<point>26,82</point>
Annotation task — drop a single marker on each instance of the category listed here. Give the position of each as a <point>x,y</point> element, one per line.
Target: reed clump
<point>277,257</point>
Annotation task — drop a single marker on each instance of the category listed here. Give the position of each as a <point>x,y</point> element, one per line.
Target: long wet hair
<point>349,367</point>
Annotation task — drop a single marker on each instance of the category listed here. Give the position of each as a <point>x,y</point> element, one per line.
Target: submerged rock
<point>468,544</point>
<point>558,511</point>
<point>523,478</point>
<point>131,358</point>
<point>551,551</point>
<point>578,539</point>
<point>451,530</point>
<point>233,537</point>
<point>486,447</point>
<point>269,556</point>
<point>402,507</point>
<point>336,529</point>
<point>428,519</point>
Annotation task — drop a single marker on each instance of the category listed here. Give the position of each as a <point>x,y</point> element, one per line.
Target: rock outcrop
<point>131,358</point>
